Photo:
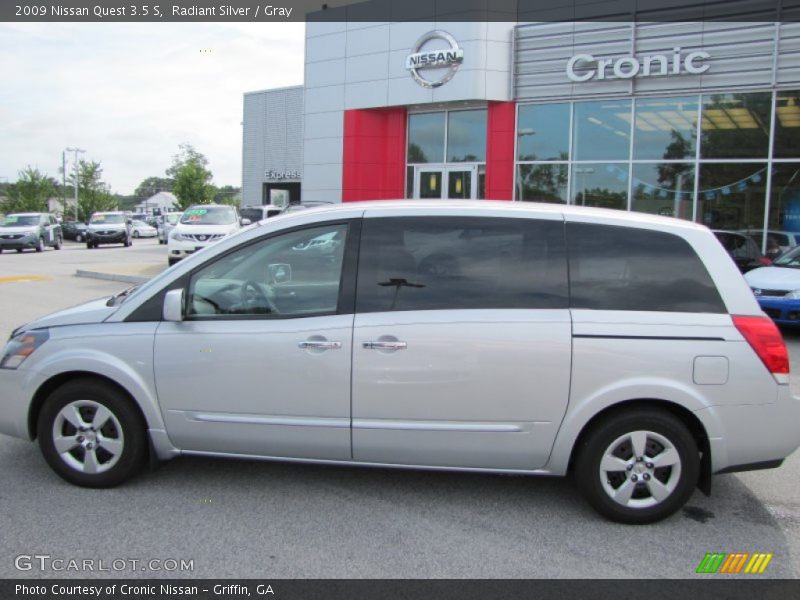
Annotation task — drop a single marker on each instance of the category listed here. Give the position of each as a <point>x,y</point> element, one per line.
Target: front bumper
<point>17,243</point>
<point>15,402</point>
<point>181,249</point>
<point>780,310</point>
<point>114,237</point>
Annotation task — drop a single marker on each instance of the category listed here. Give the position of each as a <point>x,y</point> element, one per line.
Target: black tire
<point>136,234</point>
<point>40,245</point>
<point>597,485</point>
<point>128,427</point>
<point>19,250</point>
<point>89,245</point>
<point>171,261</point>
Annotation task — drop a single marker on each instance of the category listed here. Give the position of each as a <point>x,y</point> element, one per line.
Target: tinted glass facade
<point>727,160</point>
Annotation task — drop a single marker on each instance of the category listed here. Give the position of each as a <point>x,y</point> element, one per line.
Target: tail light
<point>767,262</point>
<point>767,342</point>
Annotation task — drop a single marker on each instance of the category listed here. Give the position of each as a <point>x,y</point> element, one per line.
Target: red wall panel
<point>374,154</point>
<point>501,123</point>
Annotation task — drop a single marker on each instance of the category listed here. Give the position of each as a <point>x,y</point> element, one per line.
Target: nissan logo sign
<point>434,58</point>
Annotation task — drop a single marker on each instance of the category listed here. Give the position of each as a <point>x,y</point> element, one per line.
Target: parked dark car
<point>743,250</point>
<point>74,230</point>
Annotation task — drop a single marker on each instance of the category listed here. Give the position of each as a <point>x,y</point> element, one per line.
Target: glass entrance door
<point>428,183</point>
<point>454,182</point>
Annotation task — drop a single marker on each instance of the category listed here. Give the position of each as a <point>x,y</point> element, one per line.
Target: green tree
<point>192,178</point>
<point>228,194</point>
<point>153,185</point>
<point>30,193</point>
<point>93,193</point>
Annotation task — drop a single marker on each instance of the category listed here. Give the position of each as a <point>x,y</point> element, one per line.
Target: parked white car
<point>519,338</point>
<point>142,229</point>
<point>199,226</point>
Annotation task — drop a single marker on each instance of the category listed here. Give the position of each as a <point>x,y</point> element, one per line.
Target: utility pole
<point>76,150</point>
<point>63,183</point>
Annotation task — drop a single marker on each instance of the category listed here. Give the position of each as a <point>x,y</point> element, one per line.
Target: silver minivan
<point>624,349</point>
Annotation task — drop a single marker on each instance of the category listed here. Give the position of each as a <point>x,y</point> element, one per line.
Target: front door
<point>462,341</point>
<point>261,363</point>
<point>454,182</point>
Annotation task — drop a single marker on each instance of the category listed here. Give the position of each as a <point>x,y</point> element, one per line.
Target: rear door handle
<point>319,345</point>
<point>385,345</point>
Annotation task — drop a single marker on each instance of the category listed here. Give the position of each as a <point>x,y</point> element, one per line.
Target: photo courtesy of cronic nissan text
<point>361,299</point>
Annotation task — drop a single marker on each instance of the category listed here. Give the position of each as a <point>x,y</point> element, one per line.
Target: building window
<point>732,195</point>
<point>542,183</point>
<point>666,128</point>
<point>466,136</point>
<point>602,130</point>
<point>702,157</point>
<point>665,189</point>
<point>543,132</point>
<point>787,124</point>
<point>426,138</point>
<point>600,184</point>
<point>736,125</point>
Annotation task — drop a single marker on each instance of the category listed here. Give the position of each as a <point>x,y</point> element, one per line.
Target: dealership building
<point>697,120</point>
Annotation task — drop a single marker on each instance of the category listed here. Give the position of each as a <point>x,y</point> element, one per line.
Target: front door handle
<point>319,345</point>
<point>385,345</point>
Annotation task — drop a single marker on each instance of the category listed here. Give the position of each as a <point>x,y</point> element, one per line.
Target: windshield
<point>212,215</point>
<point>107,219</point>
<point>21,220</point>
<point>790,259</point>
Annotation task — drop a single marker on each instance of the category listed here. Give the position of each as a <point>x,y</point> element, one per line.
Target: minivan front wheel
<point>638,467</point>
<point>91,435</point>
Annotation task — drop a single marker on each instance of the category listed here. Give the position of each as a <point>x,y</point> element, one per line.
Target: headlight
<point>176,235</point>
<point>795,295</point>
<point>21,346</point>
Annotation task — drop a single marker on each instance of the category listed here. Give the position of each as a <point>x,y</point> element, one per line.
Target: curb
<point>112,276</point>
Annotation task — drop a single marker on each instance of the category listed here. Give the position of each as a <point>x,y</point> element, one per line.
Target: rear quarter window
<point>626,268</point>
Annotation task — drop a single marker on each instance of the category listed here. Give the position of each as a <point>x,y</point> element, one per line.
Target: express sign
<point>584,67</point>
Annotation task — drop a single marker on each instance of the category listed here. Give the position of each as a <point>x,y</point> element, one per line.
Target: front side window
<point>212,215</point>
<point>294,274</point>
<point>625,268</point>
<point>440,263</point>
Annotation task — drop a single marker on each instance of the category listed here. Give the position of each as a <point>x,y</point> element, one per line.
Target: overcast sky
<point>129,93</point>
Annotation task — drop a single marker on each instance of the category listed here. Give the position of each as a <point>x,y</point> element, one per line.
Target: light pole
<point>76,150</point>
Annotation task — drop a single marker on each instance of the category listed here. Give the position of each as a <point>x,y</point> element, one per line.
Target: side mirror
<point>173,306</point>
<point>245,222</point>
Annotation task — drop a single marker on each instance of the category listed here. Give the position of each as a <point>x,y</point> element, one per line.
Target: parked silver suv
<point>623,348</point>
<point>19,231</point>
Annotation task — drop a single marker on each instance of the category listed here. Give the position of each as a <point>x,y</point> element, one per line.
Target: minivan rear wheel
<point>91,435</point>
<point>638,467</point>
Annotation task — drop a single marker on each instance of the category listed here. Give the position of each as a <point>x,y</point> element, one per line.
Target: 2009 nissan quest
<point>625,349</point>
